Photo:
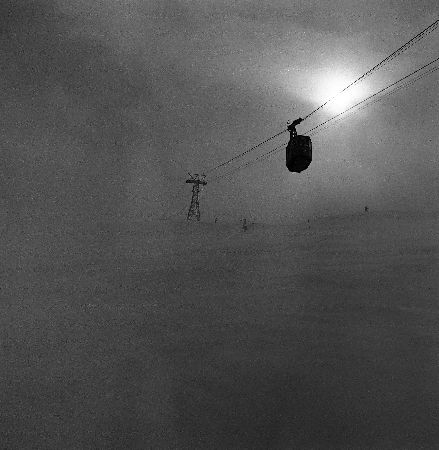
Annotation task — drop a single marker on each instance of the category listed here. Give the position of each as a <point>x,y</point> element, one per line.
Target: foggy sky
<point>107,104</point>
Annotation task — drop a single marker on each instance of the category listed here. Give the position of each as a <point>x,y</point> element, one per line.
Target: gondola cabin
<point>299,150</point>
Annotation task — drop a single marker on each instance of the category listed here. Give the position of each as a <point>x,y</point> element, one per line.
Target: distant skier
<point>244,224</point>
<point>216,219</point>
<point>366,209</point>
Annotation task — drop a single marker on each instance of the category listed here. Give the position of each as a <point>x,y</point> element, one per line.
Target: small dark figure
<point>366,209</point>
<point>216,219</point>
<point>244,224</point>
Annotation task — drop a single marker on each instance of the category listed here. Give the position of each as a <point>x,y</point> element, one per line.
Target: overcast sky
<point>108,104</point>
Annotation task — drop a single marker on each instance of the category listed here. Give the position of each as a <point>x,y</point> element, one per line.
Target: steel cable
<point>389,58</point>
<point>366,103</point>
<point>392,56</point>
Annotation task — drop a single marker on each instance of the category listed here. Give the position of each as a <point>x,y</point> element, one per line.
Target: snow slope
<point>175,335</point>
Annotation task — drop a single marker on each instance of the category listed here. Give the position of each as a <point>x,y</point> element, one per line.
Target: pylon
<point>194,208</point>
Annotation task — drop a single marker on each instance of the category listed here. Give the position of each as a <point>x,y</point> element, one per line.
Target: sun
<point>330,85</point>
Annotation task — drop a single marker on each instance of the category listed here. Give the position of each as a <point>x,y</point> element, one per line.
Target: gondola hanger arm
<point>292,126</point>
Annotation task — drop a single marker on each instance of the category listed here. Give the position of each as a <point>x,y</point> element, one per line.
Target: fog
<point>315,328</point>
<point>195,335</point>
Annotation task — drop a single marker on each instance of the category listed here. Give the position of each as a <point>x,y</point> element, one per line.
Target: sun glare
<point>331,85</point>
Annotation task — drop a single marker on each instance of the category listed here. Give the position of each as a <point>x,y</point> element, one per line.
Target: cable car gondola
<point>299,150</point>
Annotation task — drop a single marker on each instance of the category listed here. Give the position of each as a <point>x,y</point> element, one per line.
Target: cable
<point>373,95</point>
<point>317,129</point>
<point>253,161</point>
<point>409,83</point>
<point>247,151</point>
<point>393,55</point>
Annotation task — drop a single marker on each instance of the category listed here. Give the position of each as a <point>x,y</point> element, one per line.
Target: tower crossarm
<point>203,182</point>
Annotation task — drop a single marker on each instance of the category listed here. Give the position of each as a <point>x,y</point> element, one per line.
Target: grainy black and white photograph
<point>219,224</point>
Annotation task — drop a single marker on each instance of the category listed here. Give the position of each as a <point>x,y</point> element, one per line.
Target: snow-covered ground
<point>196,336</point>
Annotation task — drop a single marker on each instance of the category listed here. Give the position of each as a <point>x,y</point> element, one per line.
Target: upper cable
<point>393,55</point>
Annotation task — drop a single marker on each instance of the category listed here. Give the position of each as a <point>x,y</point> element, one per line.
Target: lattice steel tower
<point>194,209</point>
